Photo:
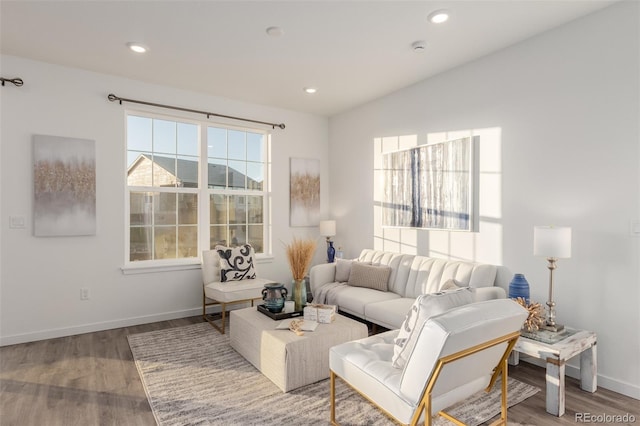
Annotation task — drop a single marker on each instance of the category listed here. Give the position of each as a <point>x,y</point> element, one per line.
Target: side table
<point>556,349</point>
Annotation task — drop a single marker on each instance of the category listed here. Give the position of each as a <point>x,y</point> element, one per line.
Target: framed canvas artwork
<point>64,177</point>
<point>304,192</point>
<point>431,186</point>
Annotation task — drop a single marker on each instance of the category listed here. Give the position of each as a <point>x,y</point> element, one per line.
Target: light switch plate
<point>634,229</point>
<point>16,222</point>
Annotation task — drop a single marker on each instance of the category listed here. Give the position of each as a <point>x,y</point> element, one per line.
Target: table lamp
<point>553,243</point>
<point>328,230</point>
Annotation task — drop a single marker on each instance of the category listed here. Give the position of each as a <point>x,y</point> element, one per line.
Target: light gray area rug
<point>192,376</point>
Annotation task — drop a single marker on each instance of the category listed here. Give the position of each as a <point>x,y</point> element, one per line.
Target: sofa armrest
<point>481,294</point>
<point>320,275</point>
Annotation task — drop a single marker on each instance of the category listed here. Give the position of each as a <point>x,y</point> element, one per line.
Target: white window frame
<point>203,192</point>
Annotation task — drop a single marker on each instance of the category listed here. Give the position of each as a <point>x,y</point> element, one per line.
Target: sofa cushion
<point>369,276</point>
<point>343,270</point>
<point>236,263</point>
<point>388,313</point>
<point>425,306</point>
<point>240,290</point>
<point>353,300</point>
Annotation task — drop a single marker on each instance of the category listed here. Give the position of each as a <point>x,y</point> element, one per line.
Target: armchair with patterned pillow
<point>229,277</point>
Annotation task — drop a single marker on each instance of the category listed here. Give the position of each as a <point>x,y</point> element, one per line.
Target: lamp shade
<point>552,241</point>
<point>327,228</point>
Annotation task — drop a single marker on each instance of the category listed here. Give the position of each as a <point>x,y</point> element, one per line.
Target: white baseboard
<point>96,326</point>
<point>624,388</point>
<point>107,325</point>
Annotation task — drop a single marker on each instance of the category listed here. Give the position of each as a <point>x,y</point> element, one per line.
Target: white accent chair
<point>215,292</point>
<point>457,354</point>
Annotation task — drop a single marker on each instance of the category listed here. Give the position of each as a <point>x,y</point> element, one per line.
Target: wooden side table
<point>556,349</point>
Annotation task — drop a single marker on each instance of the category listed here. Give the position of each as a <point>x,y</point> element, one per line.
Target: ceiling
<point>352,51</point>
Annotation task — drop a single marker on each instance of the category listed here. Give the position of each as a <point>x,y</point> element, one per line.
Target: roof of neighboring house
<point>187,172</point>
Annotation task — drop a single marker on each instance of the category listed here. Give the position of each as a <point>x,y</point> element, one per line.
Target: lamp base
<point>555,328</point>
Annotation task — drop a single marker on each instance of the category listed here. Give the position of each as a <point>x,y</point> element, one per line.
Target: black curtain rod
<point>16,81</point>
<point>113,98</point>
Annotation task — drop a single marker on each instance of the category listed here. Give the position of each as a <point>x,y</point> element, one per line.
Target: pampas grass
<point>299,253</point>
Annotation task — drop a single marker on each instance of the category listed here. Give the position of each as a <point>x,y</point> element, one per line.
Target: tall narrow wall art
<point>304,187</point>
<point>64,176</point>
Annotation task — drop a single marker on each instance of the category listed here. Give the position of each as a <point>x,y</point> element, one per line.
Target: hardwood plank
<point>91,379</point>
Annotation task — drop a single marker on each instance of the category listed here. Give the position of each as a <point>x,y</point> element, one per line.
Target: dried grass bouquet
<point>299,253</point>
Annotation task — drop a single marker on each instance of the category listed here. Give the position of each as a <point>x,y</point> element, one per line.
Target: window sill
<point>149,267</point>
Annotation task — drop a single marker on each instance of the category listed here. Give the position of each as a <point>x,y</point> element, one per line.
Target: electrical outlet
<point>84,293</point>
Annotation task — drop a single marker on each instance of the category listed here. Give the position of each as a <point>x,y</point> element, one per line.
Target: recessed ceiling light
<point>275,31</point>
<point>137,47</point>
<point>310,90</point>
<point>439,16</point>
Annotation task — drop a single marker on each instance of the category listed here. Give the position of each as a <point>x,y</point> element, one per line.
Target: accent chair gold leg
<point>505,373</point>
<point>503,398</point>
<point>332,396</point>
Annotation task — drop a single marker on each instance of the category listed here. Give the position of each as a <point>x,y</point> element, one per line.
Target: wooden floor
<point>90,379</point>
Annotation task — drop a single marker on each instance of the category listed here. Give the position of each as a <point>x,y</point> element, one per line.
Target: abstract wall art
<point>64,176</point>
<point>304,186</point>
<point>431,186</point>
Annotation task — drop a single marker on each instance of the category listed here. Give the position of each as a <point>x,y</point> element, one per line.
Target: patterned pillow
<point>425,306</point>
<point>236,263</point>
<point>369,276</point>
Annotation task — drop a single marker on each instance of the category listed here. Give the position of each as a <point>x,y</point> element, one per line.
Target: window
<point>192,186</point>
<point>236,170</point>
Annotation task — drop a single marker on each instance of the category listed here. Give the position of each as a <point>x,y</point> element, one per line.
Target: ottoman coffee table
<point>288,360</point>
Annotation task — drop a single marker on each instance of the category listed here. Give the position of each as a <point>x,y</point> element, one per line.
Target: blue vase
<point>331,253</point>
<point>519,287</point>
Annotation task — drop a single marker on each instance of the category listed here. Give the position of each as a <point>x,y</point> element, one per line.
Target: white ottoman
<point>288,360</point>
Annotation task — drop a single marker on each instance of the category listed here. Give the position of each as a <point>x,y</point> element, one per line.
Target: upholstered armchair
<point>452,356</point>
<point>230,279</point>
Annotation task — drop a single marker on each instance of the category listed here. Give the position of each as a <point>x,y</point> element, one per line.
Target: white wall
<point>40,278</point>
<point>562,112</point>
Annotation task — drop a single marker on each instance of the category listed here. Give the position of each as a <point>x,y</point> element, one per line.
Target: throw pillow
<point>451,284</point>
<point>425,306</point>
<point>343,270</point>
<point>369,276</point>
<point>236,263</point>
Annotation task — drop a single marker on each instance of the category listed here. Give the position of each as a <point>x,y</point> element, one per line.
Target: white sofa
<point>410,276</point>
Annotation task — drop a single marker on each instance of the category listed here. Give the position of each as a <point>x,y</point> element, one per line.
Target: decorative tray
<point>280,315</point>
<point>549,337</point>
